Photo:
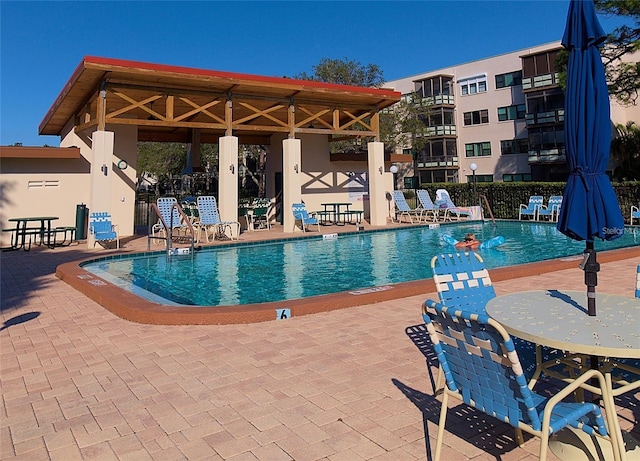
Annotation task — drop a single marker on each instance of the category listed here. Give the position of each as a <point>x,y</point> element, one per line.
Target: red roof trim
<point>235,75</point>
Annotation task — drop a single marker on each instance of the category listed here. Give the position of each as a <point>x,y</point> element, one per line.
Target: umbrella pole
<point>591,267</point>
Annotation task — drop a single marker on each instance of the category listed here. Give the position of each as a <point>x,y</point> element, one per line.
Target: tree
<point>405,124</point>
<point>400,126</point>
<point>345,72</point>
<point>625,152</point>
<point>623,77</point>
<point>161,160</point>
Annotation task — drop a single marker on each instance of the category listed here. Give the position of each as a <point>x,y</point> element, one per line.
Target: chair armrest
<point>430,306</point>
<point>565,391</point>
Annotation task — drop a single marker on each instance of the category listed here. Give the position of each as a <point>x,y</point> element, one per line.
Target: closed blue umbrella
<point>590,207</point>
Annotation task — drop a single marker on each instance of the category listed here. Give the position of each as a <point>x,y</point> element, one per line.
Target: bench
<point>349,216</point>
<point>21,234</point>
<point>63,230</point>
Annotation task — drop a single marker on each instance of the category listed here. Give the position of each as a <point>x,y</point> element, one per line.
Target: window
<point>439,152</point>
<point>514,146</point>
<point>478,149</point>
<point>516,112</point>
<point>476,117</point>
<point>519,177</point>
<point>434,86</point>
<point>546,138</point>
<point>539,64</point>
<point>509,79</point>
<point>480,178</point>
<point>473,85</point>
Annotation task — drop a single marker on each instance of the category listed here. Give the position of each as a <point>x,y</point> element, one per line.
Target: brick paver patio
<point>79,383</point>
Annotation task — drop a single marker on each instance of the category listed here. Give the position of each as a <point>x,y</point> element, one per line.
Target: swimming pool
<point>269,272</point>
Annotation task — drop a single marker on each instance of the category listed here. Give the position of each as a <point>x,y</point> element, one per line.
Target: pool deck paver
<point>79,383</point>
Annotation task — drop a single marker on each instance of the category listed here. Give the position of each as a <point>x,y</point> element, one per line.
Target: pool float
<point>491,243</point>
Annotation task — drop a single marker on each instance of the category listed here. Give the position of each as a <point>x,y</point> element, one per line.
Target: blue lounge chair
<point>427,205</point>
<point>403,208</point>
<point>635,214</point>
<point>531,209</point>
<point>302,216</point>
<point>482,368</point>
<point>210,222</point>
<point>444,202</point>
<point>552,209</point>
<point>102,229</point>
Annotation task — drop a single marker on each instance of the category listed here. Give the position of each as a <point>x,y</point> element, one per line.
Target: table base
<point>575,445</point>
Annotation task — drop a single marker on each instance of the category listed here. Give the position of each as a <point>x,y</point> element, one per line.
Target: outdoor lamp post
<point>474,167</point>
<point>393,169</point>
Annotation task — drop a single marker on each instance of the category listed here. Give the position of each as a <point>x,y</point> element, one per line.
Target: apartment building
<point>503,114</point>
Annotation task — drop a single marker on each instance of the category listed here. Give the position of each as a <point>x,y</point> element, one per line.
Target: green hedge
<point>505,198</point>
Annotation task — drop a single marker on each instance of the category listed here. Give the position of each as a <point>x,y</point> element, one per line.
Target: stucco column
<point>228,179</point>
<point>101,174</point>
<point>377,199</point>
<point>291,171</point>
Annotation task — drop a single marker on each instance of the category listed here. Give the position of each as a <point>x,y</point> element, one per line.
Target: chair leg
<point>441,423</point>
<point>544,445</point>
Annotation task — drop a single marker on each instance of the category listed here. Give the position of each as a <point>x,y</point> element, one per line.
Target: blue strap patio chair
<point>551,210</point>
<point>102,229</point>
<point>444,202</point>
<point>531,209</point>
<point>635,214</point>
<point>173,217</point>
<point>403,208</point>
<point>302,216</point>
<point>211,223</point>
<point>483,369</point>
<point>260,217</point>
<point>463,282</point>
<point>426,204</point>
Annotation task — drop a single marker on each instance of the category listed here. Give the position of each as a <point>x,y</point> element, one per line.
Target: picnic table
<point>335,211</point>
<point>23,230</point>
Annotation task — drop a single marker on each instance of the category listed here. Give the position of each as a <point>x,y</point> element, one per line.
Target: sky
<point>42,42</point>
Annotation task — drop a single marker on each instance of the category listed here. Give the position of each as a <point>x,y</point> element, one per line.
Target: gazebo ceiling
<point>167,103</point>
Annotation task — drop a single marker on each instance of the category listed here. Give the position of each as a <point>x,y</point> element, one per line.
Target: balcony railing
<point>542,118</point>
<point>438,162</point>
<point>556,155</point>
<point>441,130</point>
<point>539,81</point>
<point>439,100</point>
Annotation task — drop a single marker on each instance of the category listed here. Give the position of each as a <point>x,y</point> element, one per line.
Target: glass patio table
<point>559,319</point>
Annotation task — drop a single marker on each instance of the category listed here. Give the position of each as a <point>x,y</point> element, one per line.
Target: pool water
<point>298,268</point>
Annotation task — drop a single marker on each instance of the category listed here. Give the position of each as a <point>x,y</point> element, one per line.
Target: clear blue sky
<point>41,43</point>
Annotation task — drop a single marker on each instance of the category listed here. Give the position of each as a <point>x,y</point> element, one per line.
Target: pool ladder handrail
<point>486,202</point>
<point>169,229</point>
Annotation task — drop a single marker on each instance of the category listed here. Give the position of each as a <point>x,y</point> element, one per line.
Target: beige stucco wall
<point>53,187</point>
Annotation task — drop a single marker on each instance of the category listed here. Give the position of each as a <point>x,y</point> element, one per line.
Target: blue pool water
<point>298,268</point>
